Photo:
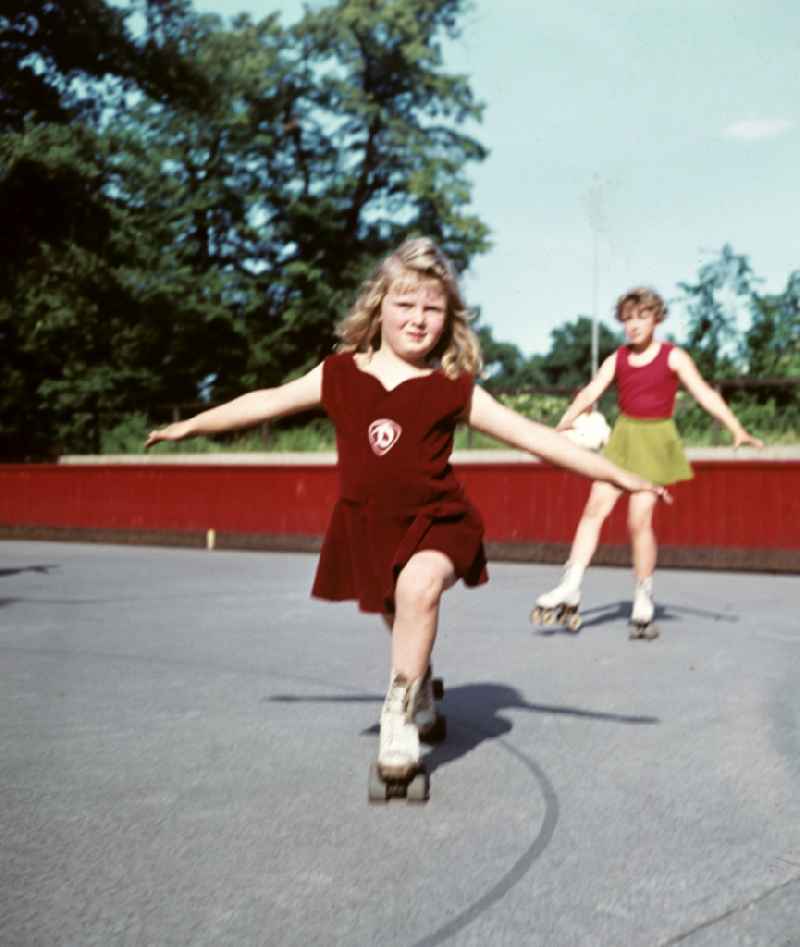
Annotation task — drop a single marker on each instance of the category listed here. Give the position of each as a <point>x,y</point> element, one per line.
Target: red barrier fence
<point>734,514</point>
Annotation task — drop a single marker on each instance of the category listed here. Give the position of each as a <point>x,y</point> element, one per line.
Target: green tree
<point>568,363</point>
<point>56,59</point>
<point>62,297</point>
<point>724,286</point>
<point>506,368</point>
<point>324,145</point>
<point>374,143</point>
<point>773,340</point>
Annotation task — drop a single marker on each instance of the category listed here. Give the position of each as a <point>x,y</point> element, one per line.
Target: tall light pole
<point>595,213</point>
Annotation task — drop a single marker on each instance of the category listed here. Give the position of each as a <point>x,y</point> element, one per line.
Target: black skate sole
<point>414,788</point>
<point>641,632</point>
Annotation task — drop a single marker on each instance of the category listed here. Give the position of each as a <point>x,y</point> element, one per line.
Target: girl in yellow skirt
<point>645,441</point>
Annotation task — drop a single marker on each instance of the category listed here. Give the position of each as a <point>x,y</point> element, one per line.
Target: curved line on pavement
<point>522,864</point>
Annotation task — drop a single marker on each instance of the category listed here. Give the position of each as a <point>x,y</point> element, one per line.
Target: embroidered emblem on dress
<point>383,435</point>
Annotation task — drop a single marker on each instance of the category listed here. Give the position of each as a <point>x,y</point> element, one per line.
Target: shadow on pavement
<point>473,712</point>
<point>42,570</point>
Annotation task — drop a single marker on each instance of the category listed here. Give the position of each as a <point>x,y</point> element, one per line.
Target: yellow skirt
<point>650,448</point>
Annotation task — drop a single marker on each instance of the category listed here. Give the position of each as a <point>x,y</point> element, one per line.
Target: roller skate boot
<point>641,620</point>
<point>560,605</point>
<point>432,725</point>
<point>398,770</point>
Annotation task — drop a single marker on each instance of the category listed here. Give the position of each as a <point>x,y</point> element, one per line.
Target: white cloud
<point>757,128</point>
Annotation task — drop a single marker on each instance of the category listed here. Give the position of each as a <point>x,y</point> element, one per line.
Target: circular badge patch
<point>383,435</point>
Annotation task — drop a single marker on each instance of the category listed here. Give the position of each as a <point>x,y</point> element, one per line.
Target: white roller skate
<point>398,771</point>
<point>432,725</point>
<point>641,620</point>
<point>560,605</point>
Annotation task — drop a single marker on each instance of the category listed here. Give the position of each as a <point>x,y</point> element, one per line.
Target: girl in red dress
<point>644,441</point>
<point>403,531</point>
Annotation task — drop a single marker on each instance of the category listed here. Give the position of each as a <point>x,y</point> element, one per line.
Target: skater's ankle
<point>406,675</point>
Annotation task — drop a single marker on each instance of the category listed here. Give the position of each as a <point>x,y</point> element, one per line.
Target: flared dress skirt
<point>650,448</point>
<point>365,550</point>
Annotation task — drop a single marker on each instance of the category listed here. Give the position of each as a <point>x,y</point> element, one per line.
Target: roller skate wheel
<point>419,789</point>
<point>438,688</point>
<point>641,632</point>
<point>378,790</point>
<point>436,732</point>
<point>574,622</point>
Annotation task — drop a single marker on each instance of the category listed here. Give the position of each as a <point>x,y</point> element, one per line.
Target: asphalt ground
<point>185,738</point>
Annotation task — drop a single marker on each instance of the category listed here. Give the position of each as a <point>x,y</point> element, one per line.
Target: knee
<point>597,509</point>
<point>419,591</point>
<point>639,524</point>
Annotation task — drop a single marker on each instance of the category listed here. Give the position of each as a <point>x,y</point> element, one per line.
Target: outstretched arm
<point>587,396</point>
<point>247,410</point>
<point>708,399</point>
<point>488,415</point>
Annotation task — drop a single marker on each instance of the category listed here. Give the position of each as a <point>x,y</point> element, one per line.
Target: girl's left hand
<point>663,494</point>
<point>742,437</point>
<point>640,485</point>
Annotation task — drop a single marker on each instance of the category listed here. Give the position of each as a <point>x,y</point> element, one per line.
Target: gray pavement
<point>185,738</point>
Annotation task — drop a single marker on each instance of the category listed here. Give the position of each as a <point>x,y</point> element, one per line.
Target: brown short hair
<point>642,297</point>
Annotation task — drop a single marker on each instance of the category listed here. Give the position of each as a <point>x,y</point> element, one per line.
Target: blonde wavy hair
<point>641,297</point>
<point>414,262</point>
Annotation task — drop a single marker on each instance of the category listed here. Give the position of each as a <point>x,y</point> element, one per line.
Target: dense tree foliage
<point>196,202</point>
<point>766,349</point>
<point>66,312</point>
<point>772,343</point>
<point>565,367</point>
<point>723,288</point>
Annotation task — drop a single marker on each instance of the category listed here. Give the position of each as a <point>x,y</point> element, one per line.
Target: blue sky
<point>683,115</point>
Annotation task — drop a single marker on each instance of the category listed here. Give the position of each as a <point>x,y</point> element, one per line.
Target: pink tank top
<point>646,391</point>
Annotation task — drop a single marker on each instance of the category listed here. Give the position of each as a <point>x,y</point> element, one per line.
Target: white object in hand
<point>589,430</point>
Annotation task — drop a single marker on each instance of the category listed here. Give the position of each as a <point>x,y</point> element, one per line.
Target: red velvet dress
<point>398,492</point>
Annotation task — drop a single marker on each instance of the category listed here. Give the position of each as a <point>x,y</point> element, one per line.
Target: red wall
<point>733,503</point>
<point>730,504</point>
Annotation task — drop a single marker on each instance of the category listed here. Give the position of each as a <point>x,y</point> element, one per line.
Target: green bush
<point>773,423</point>
<point>547,409</point>
<point>128,437</point>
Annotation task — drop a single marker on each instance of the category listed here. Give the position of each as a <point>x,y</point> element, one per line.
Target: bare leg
<point>643,539</point>
<point>643,544</point>
<point>601,502</point>
<point>418,592</point>
<point>417,595</point>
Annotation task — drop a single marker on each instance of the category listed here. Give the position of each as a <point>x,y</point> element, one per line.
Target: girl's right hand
<point>172,432</point>
<point>744,437</point>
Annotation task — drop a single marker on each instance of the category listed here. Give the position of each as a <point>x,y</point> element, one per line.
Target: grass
<point>773,425</point>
